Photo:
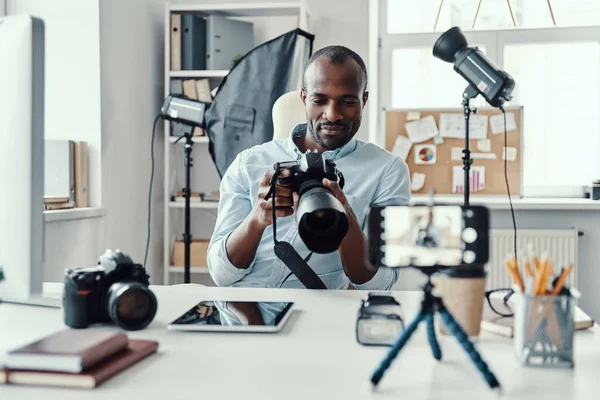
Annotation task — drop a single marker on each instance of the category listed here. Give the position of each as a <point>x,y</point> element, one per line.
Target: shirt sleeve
<point>383,279</point>
<point>394,188</point>
<point>234,206</point>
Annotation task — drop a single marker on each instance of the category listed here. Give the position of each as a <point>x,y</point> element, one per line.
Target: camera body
<point>321,218</point>
<point>308,172</point>
<point>114,291</point>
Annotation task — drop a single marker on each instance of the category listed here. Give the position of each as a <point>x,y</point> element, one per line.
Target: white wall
<point>132,59</point>
<point>72,80</point>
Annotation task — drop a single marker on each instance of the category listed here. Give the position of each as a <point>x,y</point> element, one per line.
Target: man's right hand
<point>285,200</point>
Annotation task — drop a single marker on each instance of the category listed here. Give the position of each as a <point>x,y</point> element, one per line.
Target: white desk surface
<point>316,356</point>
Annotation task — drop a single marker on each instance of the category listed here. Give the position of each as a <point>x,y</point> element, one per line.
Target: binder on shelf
<point>81,175</point>
<point>193,40</point>
<point>175,42</point>
<point>227,41</point>
<point>176,87</point>
<point>58,169</point>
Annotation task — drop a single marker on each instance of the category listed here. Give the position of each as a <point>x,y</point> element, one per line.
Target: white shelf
<point>215,73</point>
<point>195,139</point>
<point>242,10</point>
<point>193,270</point>
<point>197,204</point>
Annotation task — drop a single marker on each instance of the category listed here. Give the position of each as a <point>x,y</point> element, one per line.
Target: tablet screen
<point>235,313</point>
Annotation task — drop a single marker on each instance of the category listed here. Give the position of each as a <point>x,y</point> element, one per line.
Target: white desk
<point>315,357</point>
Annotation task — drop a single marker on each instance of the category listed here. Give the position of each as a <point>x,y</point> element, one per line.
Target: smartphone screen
<point>423,235</point>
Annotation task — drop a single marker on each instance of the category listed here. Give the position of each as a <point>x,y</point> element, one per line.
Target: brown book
<point>59,206</point>
<point>69,350</point>
<point>135,351</point>
<point>54,200</point>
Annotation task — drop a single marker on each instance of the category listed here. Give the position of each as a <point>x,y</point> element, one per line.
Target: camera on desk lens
<point>114,291</point>
<point>321,218</point>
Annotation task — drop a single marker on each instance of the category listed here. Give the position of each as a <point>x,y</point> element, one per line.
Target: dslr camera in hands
<point>114,291</point>
<point>321,218</point>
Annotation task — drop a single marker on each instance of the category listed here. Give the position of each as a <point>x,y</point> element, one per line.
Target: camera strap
<point>286,252</point>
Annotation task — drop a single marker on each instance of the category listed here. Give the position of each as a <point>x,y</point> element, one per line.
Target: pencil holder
<point>543,330</point>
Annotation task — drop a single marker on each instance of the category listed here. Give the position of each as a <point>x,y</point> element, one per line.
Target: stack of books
<point>57,203</point>
<point>74,358</point>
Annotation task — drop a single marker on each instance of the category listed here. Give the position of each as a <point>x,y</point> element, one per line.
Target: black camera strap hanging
<point>286,252</point>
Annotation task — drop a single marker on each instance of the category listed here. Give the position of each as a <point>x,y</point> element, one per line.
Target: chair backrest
<point>288,111</point>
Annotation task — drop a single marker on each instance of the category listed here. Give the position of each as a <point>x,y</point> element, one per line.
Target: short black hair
<point>337,55</point>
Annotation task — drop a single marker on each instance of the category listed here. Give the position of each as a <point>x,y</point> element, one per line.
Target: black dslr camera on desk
<point>321,218</point>
<point>115,291</point>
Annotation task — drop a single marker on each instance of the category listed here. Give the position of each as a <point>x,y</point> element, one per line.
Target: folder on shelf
<point>176,87</point>
<point>193,40</point>
<point>81,174</point>
<point>175,42</point>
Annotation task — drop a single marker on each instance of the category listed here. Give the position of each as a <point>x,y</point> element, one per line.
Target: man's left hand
<point>339,194</point>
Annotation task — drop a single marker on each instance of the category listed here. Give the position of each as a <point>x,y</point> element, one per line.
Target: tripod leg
<point>464,341</point>
<point>433,343</point>
<point>396,347</point>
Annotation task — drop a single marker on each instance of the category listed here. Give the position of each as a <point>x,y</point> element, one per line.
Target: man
<point>241,249</point>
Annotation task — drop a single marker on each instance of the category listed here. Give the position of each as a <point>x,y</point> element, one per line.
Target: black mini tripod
<point>429,305</point>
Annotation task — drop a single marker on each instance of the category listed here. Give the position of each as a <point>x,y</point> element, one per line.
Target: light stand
<point>469,93</point>
<point>186,132</point>
<point>429,306</point>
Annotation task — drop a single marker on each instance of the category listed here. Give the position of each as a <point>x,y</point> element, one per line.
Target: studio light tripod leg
<point>464,341</point>
<point>433,343</point>
<point>396,347</point>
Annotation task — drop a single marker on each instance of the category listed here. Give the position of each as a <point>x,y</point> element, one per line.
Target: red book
<point>69,350</point>
<point>135,351</point>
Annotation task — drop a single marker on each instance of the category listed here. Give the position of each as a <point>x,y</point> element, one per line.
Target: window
<point>556,69</point>
<point>408,16</point>
<point>559,87</point>
<point>421,80</point>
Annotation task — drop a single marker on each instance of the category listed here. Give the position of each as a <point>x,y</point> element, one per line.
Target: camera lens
<point>321,220</point>
<point>131,305</point>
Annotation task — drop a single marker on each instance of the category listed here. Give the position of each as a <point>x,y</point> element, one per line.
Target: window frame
<point>495,42</point>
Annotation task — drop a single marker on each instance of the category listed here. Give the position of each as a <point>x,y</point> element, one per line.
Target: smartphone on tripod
<point>428,235</point>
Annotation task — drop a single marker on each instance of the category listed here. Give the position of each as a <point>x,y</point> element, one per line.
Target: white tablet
<point>234,316</point>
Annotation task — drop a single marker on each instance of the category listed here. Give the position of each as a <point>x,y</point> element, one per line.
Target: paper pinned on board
<point>509,153</point>
<point>422,129</point>
<point>484,145</point>
<point>438,139</point>
<point>453,126</point>
<point>425,154</point>
<point>417,181</point>
<point>456,154</point>
<point>484,156</point>
<point>413,115</point>
<point>476,179</point>
<point>402,147</point>
<point>497,123</point>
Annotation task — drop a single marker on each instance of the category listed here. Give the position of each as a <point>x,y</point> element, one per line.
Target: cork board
<point>439,174</point>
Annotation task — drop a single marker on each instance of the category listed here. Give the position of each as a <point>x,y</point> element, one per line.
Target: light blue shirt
<point>373,176</point>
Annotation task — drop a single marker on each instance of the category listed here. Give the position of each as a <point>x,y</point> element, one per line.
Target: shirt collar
<point>333,155</point>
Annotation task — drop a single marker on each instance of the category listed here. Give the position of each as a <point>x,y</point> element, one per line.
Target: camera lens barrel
<point>131,305</point>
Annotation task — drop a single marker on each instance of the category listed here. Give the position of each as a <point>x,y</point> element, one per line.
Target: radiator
<point>559,244</point>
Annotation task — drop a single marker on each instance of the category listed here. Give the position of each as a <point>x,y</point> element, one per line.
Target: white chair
<point>288,111</point>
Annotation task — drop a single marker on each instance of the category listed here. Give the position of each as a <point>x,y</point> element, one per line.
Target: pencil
<point>562,279</point>
<point>528,269</point>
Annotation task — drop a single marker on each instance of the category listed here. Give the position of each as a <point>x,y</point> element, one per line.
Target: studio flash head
<point>487,79</point>
<point>184,110</point>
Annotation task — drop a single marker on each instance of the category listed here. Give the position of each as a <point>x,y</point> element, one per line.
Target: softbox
<point>240,114</point>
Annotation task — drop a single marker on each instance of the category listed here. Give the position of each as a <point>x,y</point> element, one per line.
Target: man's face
<point>334,100</point>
